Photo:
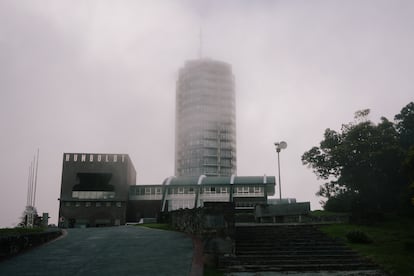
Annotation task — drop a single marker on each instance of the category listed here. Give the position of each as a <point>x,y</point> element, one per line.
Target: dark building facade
<point>95,189</point>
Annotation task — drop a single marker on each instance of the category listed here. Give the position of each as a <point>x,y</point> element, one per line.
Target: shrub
<point>409,246</point>
<point>358,237</point>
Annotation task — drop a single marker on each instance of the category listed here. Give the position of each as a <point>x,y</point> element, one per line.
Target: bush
<point>342,202</point>
<point>358,237</point>
<point>409,246</point>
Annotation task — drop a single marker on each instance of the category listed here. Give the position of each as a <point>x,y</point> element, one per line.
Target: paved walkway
<point>124,250</point>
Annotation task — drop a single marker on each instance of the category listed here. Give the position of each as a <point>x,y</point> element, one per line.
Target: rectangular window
<point>180,190</point>
<point>90,157</point>
<point>93,194</point>
<point>77,204</point>
<point>87,204</point>
<point>67,157</point>
<point>118,204</point>
<point>147,191</point>
<point>158,191</point>
<point>242,190</point>
<point>223,190</point>
<point>83,157</point>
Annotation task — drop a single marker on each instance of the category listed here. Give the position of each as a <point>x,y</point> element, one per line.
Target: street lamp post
<point>279,146</point>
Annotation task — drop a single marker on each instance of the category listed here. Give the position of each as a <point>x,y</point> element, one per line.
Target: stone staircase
<point>300,248</point>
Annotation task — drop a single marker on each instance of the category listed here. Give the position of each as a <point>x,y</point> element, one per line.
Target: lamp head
<point>280,145</point>
<point>283,145</point>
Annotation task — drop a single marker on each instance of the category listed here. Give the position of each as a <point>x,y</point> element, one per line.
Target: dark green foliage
<point>392,242</point>
<point>358,237</point>
<point>363,164</point>
<point>409,246</point>
<point>20,230</point>
<point>405,125</point>
<point>343,202</point>
<point>407,197</point>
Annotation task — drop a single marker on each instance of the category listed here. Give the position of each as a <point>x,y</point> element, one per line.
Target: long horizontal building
<point>192,192</point>
<point>99,190</point>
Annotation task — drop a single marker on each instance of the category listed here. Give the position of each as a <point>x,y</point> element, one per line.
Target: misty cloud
<point>100,76</point>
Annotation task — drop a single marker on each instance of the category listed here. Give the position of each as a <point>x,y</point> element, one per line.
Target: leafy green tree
<point>405,125</point>
<point>361,164</point>
<point>404,122</point>
<point>408,193</point>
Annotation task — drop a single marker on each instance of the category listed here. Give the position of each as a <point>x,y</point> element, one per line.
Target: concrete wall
<point>213,224</point>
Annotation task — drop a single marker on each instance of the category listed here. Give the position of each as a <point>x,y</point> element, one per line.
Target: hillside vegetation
<point>389,243</point>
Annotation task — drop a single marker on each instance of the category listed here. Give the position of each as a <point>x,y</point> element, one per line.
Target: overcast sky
<point>99,76</point>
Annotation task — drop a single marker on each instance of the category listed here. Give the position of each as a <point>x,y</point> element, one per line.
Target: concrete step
<point>290,261</point>
<point>297,254</point>
<point>276,245</point>
<point>290,248</point>
<point>299,268</point>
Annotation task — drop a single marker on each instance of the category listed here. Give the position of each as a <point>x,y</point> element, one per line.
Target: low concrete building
<point>99,190</point>
<point>282,212</point>
<point>193,192</point>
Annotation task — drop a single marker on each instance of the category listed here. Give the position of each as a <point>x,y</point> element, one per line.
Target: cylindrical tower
<point>205,119</point>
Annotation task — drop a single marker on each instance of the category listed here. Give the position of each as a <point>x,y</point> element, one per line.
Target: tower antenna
<point>200,49</point>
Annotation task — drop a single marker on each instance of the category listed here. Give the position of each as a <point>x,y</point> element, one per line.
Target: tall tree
<point>408,195</point>
<point>361,164</point>
<point>405,125</point>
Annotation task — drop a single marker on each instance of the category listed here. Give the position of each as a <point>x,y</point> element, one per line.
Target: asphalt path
<point>123,250</point>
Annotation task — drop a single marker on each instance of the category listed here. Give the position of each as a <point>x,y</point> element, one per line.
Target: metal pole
<point>31,183</point>
<point>280,182</point>
<point>35,178</point>
<point>28,187</point>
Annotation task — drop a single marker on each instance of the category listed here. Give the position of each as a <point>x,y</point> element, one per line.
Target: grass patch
<point>161,226</point>
<point>391,243</point>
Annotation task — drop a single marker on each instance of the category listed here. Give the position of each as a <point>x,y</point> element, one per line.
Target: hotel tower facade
<point>205,119</point>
